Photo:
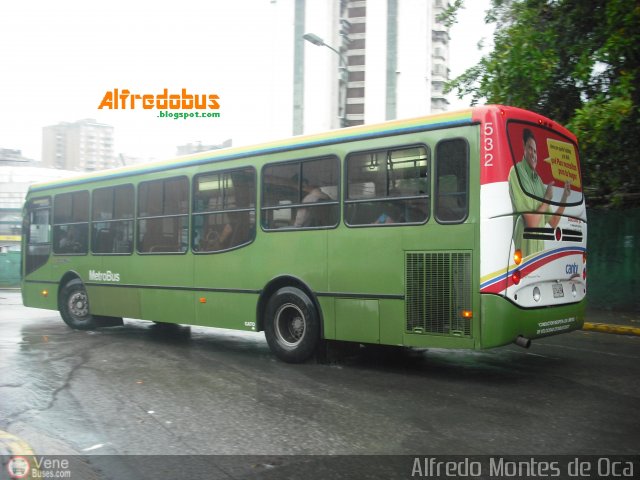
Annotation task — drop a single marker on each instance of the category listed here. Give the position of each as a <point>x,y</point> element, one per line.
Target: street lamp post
<point>342,76</point>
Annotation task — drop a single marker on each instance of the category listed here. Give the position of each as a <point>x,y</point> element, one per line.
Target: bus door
<point>36,244</point>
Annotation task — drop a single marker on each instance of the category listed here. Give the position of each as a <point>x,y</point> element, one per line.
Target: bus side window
<point>388,187</point>
<point>224,210</point>
<point>452,185</point>
<point>71,223</point>
<point>301,195</point>
<point>163,216</point>
<point>112,220</point>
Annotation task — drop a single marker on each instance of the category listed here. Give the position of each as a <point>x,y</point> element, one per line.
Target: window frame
<point>138,217</point>
<point>428,196</point>
<point>299,161</point>
<point>193,212</point>
<point>133,219</point>
<point>436,196</point>
<point>54,224</point>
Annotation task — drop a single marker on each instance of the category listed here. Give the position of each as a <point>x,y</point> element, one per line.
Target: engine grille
<point>438,289</point>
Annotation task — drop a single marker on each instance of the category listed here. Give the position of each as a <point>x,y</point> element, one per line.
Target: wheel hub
<point>290,325</point>
<point>78,305</point>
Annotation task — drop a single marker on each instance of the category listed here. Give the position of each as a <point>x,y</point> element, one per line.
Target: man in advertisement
<point>526,189</point>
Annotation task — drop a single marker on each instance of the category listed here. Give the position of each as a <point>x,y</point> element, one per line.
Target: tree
<point>577,62</point>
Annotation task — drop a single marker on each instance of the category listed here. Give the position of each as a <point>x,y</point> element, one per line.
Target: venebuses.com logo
<point>117,99</point>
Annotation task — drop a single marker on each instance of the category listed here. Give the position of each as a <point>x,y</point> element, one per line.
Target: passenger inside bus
<point>310,217</point>
<point>71,242</point>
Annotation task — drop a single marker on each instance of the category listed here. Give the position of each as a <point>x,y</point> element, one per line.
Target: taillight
<point>517,256</point>
<point>515,277</point>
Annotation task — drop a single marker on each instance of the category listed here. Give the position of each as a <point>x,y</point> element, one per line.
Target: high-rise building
<point>395,54</point>
<point>83,145</point>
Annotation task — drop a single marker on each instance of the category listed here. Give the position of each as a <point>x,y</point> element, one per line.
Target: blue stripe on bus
<point>258,152</point>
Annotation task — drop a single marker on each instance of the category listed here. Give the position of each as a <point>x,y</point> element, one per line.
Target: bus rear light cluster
<point>516,276</point>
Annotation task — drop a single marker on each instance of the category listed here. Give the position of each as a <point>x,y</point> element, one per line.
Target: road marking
<point>94,447</point>
<point>538,355</point>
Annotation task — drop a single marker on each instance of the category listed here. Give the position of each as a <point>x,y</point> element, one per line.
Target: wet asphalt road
<point>144,389</point>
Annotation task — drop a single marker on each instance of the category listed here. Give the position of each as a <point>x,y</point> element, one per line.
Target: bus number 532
<point>488,144</point>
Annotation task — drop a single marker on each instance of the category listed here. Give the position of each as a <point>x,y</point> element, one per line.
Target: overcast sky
<point>59,58</point>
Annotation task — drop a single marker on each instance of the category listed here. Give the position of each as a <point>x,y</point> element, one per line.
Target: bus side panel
<point>167,280</point>
<point>168,306</point>
<point>114,301</point>
<point>40,295</point>
<point>328,312</point>
<point>365,262</point>
<point>392,322</point>
<point>225,310</point>
<point>364,320</point>
<point>113,298</point>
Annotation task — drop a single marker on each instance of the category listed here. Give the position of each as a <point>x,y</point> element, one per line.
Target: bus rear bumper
<point>503,322</point>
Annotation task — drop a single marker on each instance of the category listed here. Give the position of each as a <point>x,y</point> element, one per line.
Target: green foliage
<point>448,17</point>
<point>578,62</point>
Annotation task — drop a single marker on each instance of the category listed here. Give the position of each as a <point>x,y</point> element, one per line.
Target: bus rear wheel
<point>74,306</point>
<point>292,325</point>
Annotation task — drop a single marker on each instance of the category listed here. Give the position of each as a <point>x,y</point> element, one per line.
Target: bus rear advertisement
<point>459,230</point>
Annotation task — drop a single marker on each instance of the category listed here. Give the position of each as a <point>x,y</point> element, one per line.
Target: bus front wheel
<point>292,325</point>
<point>74,306</point>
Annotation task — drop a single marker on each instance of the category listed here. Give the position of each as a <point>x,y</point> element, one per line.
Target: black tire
<point>74,306</point>
<point>292,325</point>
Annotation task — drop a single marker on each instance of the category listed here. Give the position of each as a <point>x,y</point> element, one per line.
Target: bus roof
<point>362,132</point>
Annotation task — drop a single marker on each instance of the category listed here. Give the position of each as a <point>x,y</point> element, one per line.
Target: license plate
<point>557,290</point>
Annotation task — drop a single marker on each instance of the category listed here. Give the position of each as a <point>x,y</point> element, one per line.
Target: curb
<point>609,328</point>
<point>11,445</point>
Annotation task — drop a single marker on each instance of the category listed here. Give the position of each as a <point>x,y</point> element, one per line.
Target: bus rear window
<point>542,159</point>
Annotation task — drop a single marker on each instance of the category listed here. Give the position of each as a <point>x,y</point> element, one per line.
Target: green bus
<point>428,232</point>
